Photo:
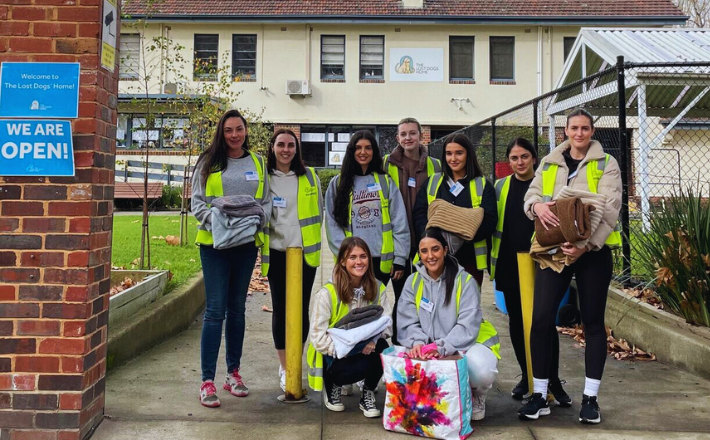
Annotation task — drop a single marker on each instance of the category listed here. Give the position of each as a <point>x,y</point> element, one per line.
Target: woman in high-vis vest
<point>296,215</point>
<point>513,234</point>
<point>579,163</point>
<point>441,305</point>
<point>226,168</point>
<point>352,286</point>
<point>462,183</point>
<point>363,201</point>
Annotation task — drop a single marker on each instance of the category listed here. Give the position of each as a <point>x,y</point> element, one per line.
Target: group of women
<point>376,214</point>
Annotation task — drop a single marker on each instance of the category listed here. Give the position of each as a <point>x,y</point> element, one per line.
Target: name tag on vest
<point>251,176</point>
<point>372,187</point>
<point>412,182</point>
<point>279,202</point>
<point>426,305</point>
<point>456,189</point>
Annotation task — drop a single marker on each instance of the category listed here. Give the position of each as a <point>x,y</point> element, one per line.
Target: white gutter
<point>539,60</point>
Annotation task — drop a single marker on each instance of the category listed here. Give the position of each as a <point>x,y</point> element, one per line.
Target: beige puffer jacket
<point>609,185</point>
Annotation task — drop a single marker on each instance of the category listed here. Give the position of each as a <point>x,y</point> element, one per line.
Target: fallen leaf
<point>172,240</point>
<point>619,349</point>
<point>123,285</point>
<point>266,308</point>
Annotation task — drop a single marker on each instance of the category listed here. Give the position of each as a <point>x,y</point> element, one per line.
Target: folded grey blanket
<point>240,206</point>
<point>359,317</point>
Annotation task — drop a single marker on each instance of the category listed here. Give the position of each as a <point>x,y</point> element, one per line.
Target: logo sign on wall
<point>39,90</point>
<point>416,64</point>
<point>108,35</point>
<point>36,148</point>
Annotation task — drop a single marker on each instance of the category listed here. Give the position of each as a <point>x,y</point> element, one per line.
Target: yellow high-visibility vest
<point>502,187</point>
<point>594,174</point>
<point>432,166</point>
<point>337,312</point>
<point>309,218</point>
<point>476,190</point>
<point>487,334</point>
<point>214,189</point>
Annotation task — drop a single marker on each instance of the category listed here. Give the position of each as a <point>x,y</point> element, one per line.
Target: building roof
<point>641,11</point>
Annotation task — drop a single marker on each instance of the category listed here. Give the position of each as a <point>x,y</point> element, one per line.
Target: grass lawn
<point>183,262</point>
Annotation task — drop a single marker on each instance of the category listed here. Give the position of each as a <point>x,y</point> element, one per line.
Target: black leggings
<point>398,286</point>
<point>593,273</point>
<point>517,334</point>
<point>352,369</point>
<point>277,283</point>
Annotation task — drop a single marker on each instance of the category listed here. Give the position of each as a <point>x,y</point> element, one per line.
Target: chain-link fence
<point>653,118</point>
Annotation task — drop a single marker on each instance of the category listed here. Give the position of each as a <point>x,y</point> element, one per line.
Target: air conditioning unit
<point>170,88</point>
<point>297,87</point>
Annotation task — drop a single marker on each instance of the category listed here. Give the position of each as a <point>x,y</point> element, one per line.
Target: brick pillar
<point>55,237</point>
<point>296,129</point>
<point>426,135</point>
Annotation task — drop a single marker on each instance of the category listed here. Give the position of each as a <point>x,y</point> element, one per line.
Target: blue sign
<point>39,90</point>
<point>36,148</point>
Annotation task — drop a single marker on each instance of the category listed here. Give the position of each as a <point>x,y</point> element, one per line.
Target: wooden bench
<point>134,190</point>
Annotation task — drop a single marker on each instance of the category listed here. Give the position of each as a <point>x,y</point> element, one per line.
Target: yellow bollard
<point>526,272</point>
<point>294,323</point>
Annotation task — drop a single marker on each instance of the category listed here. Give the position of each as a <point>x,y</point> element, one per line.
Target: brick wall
<point>426,135</point>
<point>55,237</point>
<point>296,129</point>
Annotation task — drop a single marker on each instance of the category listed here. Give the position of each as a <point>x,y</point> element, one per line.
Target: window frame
<point>208,76</point>
<point>462,38</point>
<point>499,39</point>
<point>323,76</point>
<point>236,75</point>
<point>566,54</point>
<point>132,75</point>
<point>378,78</point>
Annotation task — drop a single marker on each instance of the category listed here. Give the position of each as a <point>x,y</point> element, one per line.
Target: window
<point>244,57</point>
<point>502,58</point>
<point>130,49</point>
<point>372,57</point>
<point>461,58</point>
<point>568,43</point>
<point>206,55</point>
<point>332,57</point>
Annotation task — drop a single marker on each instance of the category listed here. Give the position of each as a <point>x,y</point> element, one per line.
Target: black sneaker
<point>331,398</point>
<point>536,407</point>
<point>562,399</point>
<point>521,389</point>
<point>590,412</point>
<point>367,403</point>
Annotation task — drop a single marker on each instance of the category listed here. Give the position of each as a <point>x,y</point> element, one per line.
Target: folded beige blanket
<point>552,256</point>
<point>463,222</point>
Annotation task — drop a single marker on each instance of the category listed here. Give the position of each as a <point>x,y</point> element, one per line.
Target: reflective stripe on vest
<point>315,358</point>
<point>502,187</point>
<point>432,166</point>
<point>487,334</point>
<point>476,191</point>
<point>387,251</point>
<point>214,189</point>
<point>594,174</point>
<point>309,218</point>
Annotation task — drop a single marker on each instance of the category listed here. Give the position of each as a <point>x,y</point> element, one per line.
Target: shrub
<point>325,176</point>
<point>676,254</point>
<point>171,197</point>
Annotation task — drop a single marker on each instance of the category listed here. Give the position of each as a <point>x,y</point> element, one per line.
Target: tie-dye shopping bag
<point>427,398</point>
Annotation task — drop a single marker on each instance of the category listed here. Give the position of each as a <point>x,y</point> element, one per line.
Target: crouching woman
<point>439,314</point>
<point>353,286</point>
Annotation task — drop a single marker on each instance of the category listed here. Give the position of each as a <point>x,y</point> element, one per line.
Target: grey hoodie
<point>367,219</point>
<point>441,325</point>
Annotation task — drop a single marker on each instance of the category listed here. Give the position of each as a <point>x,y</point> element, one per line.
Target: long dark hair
<point>297,165</point>
<point>472,168</point>
<point>341,277</point>
<point>451,267</point>
<point>526,144</point>
<point>346,179</point>
<point>215,156</point>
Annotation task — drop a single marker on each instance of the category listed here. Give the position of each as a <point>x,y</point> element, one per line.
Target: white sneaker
<point>282,378</point>
<point>479,407</point>
<point>347,390</point>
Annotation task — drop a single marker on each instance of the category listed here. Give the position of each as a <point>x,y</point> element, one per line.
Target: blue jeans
<point>227,274</point>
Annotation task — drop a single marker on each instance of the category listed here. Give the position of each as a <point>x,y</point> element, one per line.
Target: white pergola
<point>672,92</point>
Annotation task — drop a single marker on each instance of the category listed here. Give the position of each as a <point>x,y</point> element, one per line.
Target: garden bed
<point>149,286</point>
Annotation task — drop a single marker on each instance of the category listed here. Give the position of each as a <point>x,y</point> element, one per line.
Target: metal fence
<point>653,118</point>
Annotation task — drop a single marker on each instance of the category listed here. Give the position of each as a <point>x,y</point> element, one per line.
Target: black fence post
<point>535,127</point>
<point>493,147</point>
<point>624,165</point>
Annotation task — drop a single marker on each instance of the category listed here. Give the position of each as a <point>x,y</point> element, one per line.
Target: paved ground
<point>155,396</point>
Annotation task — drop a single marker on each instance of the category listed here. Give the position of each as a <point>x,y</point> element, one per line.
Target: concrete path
<point>156,396</point>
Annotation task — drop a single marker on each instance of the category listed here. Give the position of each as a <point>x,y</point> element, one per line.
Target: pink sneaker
<point>235,385</point>
<point>208,395</point>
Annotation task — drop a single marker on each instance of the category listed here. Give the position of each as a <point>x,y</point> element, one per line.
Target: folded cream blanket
<point>463,222</point>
